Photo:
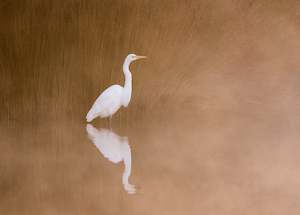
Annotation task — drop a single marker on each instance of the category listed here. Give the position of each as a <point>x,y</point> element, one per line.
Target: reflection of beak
<point>139,57</point>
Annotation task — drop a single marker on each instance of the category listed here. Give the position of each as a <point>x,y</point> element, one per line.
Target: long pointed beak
<point>140,57</point>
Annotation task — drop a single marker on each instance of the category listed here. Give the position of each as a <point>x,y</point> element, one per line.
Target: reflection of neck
<point>128,84</point>
<point>127,162</point>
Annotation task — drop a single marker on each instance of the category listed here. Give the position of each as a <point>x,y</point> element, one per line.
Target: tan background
<point>214,118</point>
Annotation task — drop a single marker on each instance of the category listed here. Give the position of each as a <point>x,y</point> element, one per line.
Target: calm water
<point>68,168</point>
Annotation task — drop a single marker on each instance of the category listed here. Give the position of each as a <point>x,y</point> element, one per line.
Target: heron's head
<point>132,57</point>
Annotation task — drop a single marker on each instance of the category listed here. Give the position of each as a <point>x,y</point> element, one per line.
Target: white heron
<point>115,149</point>
<point>110,101</point>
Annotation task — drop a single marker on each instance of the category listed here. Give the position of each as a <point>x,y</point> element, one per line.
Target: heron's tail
<point>90,116</point>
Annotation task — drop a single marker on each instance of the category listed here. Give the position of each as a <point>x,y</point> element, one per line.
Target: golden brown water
<point>213,125</point>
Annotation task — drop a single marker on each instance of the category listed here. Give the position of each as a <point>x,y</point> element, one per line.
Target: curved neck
<point>126,65</point>
<point>127,84</point>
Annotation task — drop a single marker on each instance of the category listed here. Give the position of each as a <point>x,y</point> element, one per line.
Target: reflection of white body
<point>110,101</point>
<point>115,149</point>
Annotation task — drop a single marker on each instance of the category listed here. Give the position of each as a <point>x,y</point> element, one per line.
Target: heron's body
<point>114,97</point>
<point>107,104</point>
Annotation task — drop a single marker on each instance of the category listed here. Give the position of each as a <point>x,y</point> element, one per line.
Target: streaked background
<point>213,123</point>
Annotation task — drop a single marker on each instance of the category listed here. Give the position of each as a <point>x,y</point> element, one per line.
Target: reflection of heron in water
<point>115,149</point>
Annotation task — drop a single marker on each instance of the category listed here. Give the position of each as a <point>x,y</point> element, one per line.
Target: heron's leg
<point>110,122</point>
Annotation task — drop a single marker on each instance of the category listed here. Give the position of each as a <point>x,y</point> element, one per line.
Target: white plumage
<point>115,149</point>
<point>110,101</point>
